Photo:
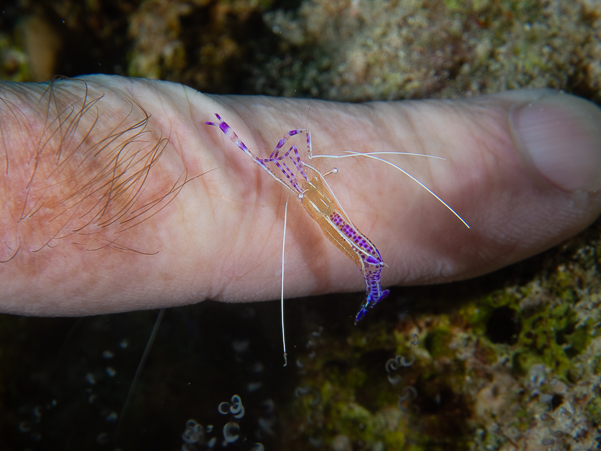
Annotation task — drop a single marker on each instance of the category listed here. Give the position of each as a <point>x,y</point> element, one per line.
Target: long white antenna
<point>282,292</point>
<point>373,155</point>
<point>136,378</point>
<point>352,153</point>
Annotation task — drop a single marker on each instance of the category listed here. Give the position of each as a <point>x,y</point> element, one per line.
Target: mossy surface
<point>379,50</point>
<point>515,364</point>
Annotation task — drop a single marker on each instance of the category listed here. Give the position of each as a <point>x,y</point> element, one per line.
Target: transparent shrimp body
<point>320,202</point>
<point>316,196</point>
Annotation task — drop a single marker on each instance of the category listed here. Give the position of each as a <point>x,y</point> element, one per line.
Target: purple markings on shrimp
<point>371,260</point>
<point>350,232</point>
<point>371,268</point>
<point>225,128</point>
<point>273,158</point>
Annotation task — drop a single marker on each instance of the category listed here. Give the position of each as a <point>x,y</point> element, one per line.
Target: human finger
<point>217,235</point>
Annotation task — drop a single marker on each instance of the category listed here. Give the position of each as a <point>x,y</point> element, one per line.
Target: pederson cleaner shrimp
<point>319,201</point>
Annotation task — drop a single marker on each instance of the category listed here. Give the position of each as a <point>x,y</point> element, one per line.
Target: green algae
<point>437,343</point>
<point>548,339</point>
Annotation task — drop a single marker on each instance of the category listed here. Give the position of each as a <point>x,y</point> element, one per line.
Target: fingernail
<point>560,135</point>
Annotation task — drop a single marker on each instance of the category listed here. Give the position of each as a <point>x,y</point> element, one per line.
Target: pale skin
<point>217,233</point>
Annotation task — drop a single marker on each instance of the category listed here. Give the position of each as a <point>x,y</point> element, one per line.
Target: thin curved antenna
<point>373,155</point>
<point>153,335</point>
<point>352,153</point>
<point>282,292</point>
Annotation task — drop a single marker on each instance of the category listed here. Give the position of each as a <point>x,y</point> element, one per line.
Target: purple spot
<point>372,261</point>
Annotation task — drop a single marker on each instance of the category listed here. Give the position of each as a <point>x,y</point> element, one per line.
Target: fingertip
<point>560,137</point>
